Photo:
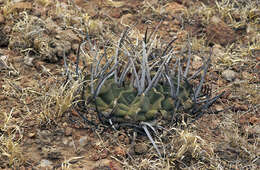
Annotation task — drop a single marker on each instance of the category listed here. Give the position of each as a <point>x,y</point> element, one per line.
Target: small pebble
<point>31,135</point>
<point>140,148</point>
<point>45,163</point>
<point>83,141</point>
<point>229,75</point>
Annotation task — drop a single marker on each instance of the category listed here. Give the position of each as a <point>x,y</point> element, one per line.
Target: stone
<point>197,62</point>
<point>28,61</point>
<point>219,108</point>
<point>3,64</point>
<point>140,148</point>
<point>65,141</point>
<point>229,75</point>
<point>31,134</point>
<point>83,141</point>
<point>45,163</point>
<point>217,50</point>
<point>166,23</point>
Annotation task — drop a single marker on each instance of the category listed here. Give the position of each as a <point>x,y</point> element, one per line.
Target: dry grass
<point>10,150</point>
<point>240,139</point>
<point>59,100</point>
<point>7,8</point>
<point>181,148</point>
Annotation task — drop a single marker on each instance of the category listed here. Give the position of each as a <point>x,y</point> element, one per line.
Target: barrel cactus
<point>133,82</point>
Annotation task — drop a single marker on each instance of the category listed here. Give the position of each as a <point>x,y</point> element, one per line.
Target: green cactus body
<point>125,103</point>
<point>134,82</point>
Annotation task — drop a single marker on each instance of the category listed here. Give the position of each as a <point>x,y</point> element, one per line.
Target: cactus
<point>135,87</point>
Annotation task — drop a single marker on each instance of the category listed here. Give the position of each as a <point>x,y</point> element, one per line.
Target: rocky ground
<point>35,132</point>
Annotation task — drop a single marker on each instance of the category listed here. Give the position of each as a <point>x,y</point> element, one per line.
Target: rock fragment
<point>229,75</point>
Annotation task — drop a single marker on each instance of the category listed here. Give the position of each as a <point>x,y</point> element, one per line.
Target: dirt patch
<point>218,32</point>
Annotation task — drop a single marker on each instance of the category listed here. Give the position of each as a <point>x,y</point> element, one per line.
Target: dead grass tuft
<point>58,101</point>
<point>11,153</point>
<point>182,148</point>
